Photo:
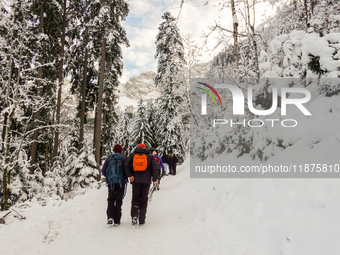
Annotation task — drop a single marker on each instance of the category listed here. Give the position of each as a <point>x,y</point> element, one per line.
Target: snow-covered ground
<point>188,216</point>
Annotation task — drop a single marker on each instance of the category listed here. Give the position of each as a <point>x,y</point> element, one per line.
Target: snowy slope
<point>189,216</point>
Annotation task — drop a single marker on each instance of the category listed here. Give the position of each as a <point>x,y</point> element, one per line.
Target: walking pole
<point>151,192</point>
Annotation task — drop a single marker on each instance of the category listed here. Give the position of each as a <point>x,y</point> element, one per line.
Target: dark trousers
<point>139,202</point>
<point>170,169</point>
<point>174,169</point>
<point>114,203</point>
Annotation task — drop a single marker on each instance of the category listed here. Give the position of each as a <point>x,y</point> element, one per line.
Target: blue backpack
<point>114,172</point>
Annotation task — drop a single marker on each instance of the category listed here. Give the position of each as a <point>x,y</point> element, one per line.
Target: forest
<point>60,64</point>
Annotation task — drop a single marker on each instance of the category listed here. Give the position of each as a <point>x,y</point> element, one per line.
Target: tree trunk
<point>100,105</point>
<point>94,127</point>
<point>83,96</point>
<point>252,28</point>
<point>6,114</point>
<point>11,70</point>
<point>256,56</point>
<point>235,32</point>
<point>306,12</point>
<point>37,114</point>
<point>104,132</point>
<point>7,132</point>
<point>60,83</point>
<point>312,5</point>
<point>4,132</point>
<point>5,171</point>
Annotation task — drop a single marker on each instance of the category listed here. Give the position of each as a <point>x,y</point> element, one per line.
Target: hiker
<point>165,163</point>
<point>160,167</point>
<point>113,170</point>
<point>170,163</point>
<point>140,168</point>
<point>174,161</point>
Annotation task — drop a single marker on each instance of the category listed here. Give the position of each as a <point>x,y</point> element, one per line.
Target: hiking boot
<point>116,224</point>
<point>110,221</point>
<point>141,224</point>
<point>157,188</point>
<point>134,221</point>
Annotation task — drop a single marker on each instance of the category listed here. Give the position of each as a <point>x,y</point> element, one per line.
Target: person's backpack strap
<point>158,161</point>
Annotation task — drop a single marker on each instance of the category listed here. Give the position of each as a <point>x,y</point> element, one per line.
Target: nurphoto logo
<point>239,104</point>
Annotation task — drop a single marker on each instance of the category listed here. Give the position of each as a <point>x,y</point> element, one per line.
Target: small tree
<point>122,133</point>
<point>141,130</point>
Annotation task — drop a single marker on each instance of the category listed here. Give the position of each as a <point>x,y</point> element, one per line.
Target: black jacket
<point>152,169</point>
<point>173,161</point>
<point>165,159</point>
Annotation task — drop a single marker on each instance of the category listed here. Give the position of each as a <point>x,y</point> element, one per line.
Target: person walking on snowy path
<point>166,163</point>
<point>113,170</point>
<point>169,160</point>
<point>173,163</point>
<point>140,168</point>
<point>161,168</point>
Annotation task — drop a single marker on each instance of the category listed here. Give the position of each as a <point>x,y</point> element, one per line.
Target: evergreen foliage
<point>141,130</point>
<point>171,78</point>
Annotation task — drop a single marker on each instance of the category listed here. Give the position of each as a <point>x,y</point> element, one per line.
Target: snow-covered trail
<point>78,226</point>
<point>188,216</point>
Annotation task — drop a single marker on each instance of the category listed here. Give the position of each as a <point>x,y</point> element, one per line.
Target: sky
<point>196,15</point>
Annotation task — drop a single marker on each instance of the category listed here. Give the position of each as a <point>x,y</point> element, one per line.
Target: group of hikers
<point>140,169</point>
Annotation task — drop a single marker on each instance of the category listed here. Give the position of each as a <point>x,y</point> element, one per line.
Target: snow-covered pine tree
<point>63,10</point>
<point>171,78</point>
<point>122,133</point>
<point>19,72</point>
<point>152,116</point>
<point>170,54</point>
<point>141,130</point>
<point>84,74</point>
<point>48,30</point>
<point>110,117</point>
<point>78,169</point>
<point>107,35</point>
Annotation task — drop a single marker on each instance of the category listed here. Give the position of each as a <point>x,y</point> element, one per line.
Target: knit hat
<point>142,145</point>
<point>117,148</point>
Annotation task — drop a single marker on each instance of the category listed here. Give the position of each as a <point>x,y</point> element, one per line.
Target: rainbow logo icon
<point>209,93</point>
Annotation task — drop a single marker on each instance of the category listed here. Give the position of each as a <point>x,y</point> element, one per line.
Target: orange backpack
<point>139,162</point>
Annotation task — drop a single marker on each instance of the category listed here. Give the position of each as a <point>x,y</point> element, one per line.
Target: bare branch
<point>228,30</point>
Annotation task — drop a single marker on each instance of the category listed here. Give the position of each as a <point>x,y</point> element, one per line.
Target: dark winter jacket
<point>165,158</point>
<point>106,164</point>
<point>173,161</point>
<point>152,169</point>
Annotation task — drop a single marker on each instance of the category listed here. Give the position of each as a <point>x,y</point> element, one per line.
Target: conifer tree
<point>60,77</point>
<point>19,72</point>
<point>171,78</point>
<point>170,54</point>
<point>47,29</point>
<point>152,116</point>
<point>107,36</point>
<point>141,130</point>
<point>122,133</point>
